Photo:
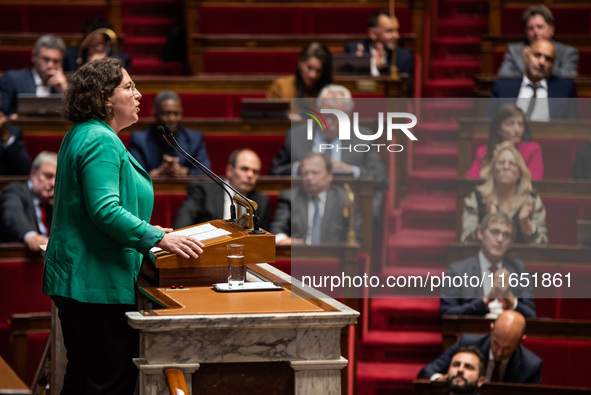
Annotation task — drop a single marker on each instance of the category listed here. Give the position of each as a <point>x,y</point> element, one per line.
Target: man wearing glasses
<point>46,77</point>
<point>493,294</point>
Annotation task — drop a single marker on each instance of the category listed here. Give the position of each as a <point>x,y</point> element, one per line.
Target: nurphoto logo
<point>344,130</point>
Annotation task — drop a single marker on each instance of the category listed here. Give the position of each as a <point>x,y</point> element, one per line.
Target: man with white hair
<point>26,208</point>
<point>297,145</point>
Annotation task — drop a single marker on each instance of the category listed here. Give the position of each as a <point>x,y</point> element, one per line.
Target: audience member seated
<point>99,41</point>
<point>381,44</point>
<point>582,166</point>
<point>507,189</point>
<point>359,164</point>
<point>207,201</point>
<point>495,234</point>
<point>509,124</point>
<point>14,159</point>
<point>466,372</point>
<point>313,72</point>
<point>26,208</point>
<point>506,359</point>
<point>45,78</point>
<point>538,23</point>
<point>154,154</point>
<point>314,212</point>
<point>539,94</point>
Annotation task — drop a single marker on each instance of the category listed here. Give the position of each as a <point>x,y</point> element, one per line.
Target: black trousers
<point>100,346</point>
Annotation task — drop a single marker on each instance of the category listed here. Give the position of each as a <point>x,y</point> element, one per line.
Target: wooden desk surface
<point>205,301</point>
<point>10,383</point>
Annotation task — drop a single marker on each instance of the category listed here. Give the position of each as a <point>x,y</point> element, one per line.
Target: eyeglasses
<point>130,87</point>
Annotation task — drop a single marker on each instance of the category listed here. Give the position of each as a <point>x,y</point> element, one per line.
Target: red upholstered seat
<point>568,21</point>
<point>21,283</point>
<point>265,19</point>
<point>203,105</point>
<point>565,361</point>
<point>219,148</point>
<point>33,17</point>
<point>14,59</point>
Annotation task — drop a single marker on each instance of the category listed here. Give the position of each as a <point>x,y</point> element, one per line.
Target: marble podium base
<point>309,341</point>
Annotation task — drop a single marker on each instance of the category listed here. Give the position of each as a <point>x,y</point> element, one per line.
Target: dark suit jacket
<point>369,162</point>
<point>205,202</point>
<point>523,367</point>
<point>468,300</point>
<point>12,83</point>
<point>148,146</point>
<point>582,166</point>
<point>69,63</point>
<point>17,212</point>
<point>14,159</point>
<point>334,225</point>
<point>563,92</point>
<point>404,59</point>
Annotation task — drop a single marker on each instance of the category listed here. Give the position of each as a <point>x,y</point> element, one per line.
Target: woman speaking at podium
<point>100,231</point>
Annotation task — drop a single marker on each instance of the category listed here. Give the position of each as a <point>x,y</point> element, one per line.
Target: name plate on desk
<point>211,266</point>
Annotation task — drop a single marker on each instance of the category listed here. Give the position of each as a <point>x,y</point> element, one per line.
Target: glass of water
<point>236,268</point>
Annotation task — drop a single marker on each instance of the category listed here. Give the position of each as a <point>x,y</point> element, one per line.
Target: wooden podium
<point>286,341</point>
<point>211,266</point>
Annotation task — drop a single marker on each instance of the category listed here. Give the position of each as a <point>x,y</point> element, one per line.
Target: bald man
<point>207,201</point>
<point>506,359</point>
<point>532,91</point>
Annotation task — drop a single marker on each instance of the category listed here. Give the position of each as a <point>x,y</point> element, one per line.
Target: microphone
<point>171,141</point>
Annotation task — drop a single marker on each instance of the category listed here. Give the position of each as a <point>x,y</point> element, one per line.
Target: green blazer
<point>100,231</point>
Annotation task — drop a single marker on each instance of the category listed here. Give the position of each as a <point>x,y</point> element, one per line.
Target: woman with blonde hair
<point>507,189</point>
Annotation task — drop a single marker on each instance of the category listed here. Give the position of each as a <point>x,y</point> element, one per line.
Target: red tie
<point>45,217</point>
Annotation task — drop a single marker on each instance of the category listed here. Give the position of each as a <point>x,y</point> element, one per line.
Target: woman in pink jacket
<point>508,126</point>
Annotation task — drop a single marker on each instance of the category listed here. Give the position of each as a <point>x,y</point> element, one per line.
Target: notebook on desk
<point>275,109</point>
<point>31,105</point>
<point>346,63</point>
<point>584,232</point>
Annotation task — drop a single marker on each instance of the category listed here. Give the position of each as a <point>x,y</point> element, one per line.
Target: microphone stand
<point>171,141</point>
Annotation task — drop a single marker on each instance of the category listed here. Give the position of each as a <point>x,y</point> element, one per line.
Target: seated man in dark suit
<point>539,94</point>
<point>14,159</point>
<point>382,31</point>
<point>151,150</point>
<point>506,359</point>
<point>45,78</point>
<point>26,208</point>
<point>313,212</point>
<point>538,23</point>
<point>466,371</point>
<point>97,45</point>
<point>582,166</point>
<point>207,201</point>
<point>496,235</point>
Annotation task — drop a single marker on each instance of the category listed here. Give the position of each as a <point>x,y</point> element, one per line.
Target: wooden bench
<point>426,387</point>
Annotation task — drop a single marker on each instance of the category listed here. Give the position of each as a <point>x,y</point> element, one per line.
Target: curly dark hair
<point>507,110</point>
<point>89,89</point>
<point>322,53</point>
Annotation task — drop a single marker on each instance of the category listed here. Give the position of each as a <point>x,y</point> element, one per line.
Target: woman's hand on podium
<point>186,247</point>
